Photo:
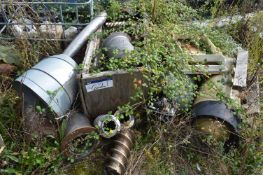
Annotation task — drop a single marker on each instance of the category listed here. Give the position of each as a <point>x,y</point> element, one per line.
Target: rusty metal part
<point>80,137</point>
<point>119,153</point>
<point>127,121</point>
<point>116,24</point>
<point>108,125</point>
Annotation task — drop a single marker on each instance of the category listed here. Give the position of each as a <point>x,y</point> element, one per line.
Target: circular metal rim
<point>71,136</point>
<point>231,124</point>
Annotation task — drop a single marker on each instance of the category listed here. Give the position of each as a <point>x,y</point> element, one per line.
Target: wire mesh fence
<point>43,20</point>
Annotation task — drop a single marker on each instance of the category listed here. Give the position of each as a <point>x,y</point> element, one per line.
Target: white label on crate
<point>99,84</point>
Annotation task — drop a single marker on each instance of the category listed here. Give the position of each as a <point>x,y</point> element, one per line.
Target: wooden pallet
<point>240,77</point>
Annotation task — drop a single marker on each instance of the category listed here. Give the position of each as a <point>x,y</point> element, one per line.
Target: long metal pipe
<point>83,36</point>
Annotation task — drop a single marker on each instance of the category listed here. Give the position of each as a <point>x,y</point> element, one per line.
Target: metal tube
<point>108,125</point>
<point>82,37</point>
<point>212,116</point>
<point>80,137</point>
<point>127,121</point>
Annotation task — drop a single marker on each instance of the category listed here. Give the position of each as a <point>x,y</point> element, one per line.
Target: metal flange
<point>215,118</point>
<point>80,137</point>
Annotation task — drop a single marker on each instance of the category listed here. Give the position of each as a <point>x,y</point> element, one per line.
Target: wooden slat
<point>211,58</point>
<point>89,55</point>
<point>252,98</point>
<point>207,69</point>
<point>240,78</point>
<point>90,51</point>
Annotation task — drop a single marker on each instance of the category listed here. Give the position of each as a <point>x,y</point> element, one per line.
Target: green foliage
<point>114,9</point>
<point>83,143</point>
<point>27,158</point>
<point>162,27</point>
<point>8,113</point>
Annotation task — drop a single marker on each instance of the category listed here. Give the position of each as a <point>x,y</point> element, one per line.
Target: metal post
<point>83,36</point>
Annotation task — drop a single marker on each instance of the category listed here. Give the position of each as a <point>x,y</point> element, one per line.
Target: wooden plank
<point>240,78</point>
<point>206,69</point>
<point>252,98</point>
<point>105,91</point>
<point>211,58</point>
<point>90,52</point>
<point>82,99</point>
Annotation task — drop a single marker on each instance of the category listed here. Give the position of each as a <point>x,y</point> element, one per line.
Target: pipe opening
<point>127,121</point>
<point>83,144</point>
<point>214,127</point>
<point>109,125</point>
<point>124,118</point>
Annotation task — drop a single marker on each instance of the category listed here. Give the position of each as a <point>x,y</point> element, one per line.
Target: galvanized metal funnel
<point>53,79</point>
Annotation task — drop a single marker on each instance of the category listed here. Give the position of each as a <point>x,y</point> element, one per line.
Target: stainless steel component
<point>108,125</point>
<point>82,37</point>
<point>127,121</point>
<point>53,80</point>
<point>117,45</point>
<point>119,153</point>
<point>80,137</point>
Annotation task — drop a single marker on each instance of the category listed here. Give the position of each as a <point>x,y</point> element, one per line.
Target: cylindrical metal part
<point>80,137</point>
<point>215,118</point>
<point>210,115</point>
<point>108,125</point>
<point>127,121</point>
<point>53,80</point>
<point>119,153</point>
<point>82,37</point>
<point>117,45</point>
<point>209,90</point>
